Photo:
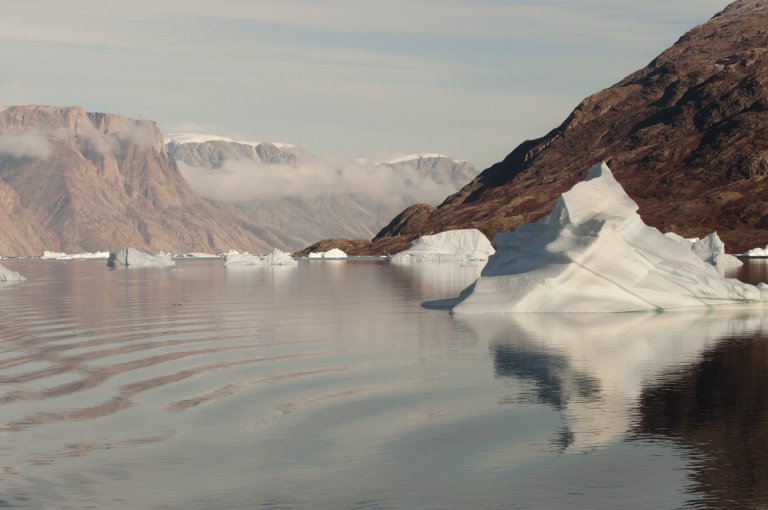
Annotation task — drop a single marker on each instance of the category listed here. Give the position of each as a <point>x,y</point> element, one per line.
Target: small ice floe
<point>7,276</point>
<point>593,253</point>
<point>276,258</point>
<point>466,245</point>
<point>333,253</point>
<point>75,256</point>
<point>196,255</point>
<point>131,257</point>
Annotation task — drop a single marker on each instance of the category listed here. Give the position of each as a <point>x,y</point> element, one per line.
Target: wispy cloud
<point>336,75</point>
<point>29,143</point>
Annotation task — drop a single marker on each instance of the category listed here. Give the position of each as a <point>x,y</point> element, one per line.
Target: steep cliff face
<point>85,181</point>
<point>687,137</point>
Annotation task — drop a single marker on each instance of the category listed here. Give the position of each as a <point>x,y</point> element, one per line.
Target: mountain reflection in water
<point>718,408</point>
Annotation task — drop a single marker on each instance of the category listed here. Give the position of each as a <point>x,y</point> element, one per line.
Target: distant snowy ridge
<point>302,197</point>
<point>182,138</point>
<point>413,157</point>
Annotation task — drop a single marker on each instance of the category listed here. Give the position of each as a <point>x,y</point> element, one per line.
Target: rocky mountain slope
<point>76,181</point>
<point>305,197</point>
<point>687,137</point>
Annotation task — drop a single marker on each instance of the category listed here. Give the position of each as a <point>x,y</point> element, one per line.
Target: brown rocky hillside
<point>687,137</point>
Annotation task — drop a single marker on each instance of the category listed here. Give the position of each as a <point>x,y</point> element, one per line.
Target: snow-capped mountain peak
<point>184,138</point>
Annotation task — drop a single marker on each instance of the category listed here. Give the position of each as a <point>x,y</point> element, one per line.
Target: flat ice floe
<point>276,258</point>
<point>453,245</point>
<point>131,257</point>
<point>196,255</point>
<point>333,253</point>
<point>6,275</point>
<point>75,256</point>
<point>593,253</point>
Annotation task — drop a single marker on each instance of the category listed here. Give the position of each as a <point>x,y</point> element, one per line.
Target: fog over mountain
<point>305,197</point>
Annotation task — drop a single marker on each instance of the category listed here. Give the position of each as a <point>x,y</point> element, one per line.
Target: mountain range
<point>76,181</point>
<point>304,197</point>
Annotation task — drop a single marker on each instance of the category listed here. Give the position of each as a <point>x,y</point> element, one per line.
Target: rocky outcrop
<point>687,137</point>
<point>76,181</point>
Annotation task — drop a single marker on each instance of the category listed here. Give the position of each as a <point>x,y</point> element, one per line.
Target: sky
<point>350,79</point>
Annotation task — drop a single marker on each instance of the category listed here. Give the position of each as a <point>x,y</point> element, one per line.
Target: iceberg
<point>6,275</point>
<point>276,258</point>
<point>333,253</point>
<point>453,245</point>
<point>593,253</point>
<point>756,252</point>
<point>131,257</point>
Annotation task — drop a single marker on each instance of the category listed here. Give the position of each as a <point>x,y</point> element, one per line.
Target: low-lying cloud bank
<point>240,181</point>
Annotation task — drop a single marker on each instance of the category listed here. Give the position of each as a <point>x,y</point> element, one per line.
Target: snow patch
<point>413,157</point>
<point>597,255</point>
<point>182,138</point>
<point>453,245</point>
<point>276,258</point>
<point>131,257</point>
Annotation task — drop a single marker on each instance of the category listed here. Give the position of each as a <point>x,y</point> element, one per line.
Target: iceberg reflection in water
<point>326,385</point>
<point>593,367</point>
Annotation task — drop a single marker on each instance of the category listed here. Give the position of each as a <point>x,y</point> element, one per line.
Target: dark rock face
<point>76,181</point>
<point>687,137</point>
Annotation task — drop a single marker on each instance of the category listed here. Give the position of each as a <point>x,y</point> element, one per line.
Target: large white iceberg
<point>453,245</point>
<point>593,253</point>
<point>276,258</point>
<point>131,257</point>
<point>333,253</point>
<point>6,275</point>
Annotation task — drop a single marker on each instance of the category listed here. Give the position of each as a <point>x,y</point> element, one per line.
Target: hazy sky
<point>365,78</point>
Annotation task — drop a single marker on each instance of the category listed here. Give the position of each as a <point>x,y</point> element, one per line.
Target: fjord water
<point>327,385</point>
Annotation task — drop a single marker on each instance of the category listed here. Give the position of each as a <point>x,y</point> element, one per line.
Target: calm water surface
<point>327,385</point>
